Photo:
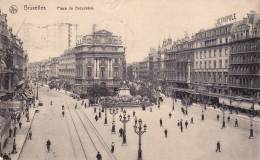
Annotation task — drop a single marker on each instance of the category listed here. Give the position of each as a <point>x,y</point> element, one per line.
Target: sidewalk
<point>21,136</point>
<point>241,115</point>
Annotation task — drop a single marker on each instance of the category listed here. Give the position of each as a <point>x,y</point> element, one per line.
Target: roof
<point>103,31</point>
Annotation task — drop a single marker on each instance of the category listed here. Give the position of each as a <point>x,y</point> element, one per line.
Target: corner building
<point>244,72</point>
<point>211,60</point>
<point>100,60</point>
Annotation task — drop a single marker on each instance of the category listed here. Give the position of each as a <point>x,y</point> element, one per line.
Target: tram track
<point>78,136</point>
<point>97,135</point>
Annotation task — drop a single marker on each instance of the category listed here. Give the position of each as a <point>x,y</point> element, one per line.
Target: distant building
<point>133,71</point>
<point>67,69</point>
<point>143,72</point>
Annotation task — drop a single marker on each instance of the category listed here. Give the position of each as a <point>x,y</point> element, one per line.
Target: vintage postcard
<point>130,79</point>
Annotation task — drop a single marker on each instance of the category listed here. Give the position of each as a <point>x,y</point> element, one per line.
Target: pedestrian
<point>99,114</point>
<point>135,121</point>
<point>96,118</point>
<point>85,105</point>
<point>165,133</point>
<point>170,115</point>
<point>76,106</point>
<point>6,157</point>
<point>236,123</point>
<point>218,147</point>
<point>133,113</point>
<point>160,122</point>
<point>63,113</point>
<point>181,128</point>
<point>121,130</point>
<point>186,124</point>
<point>14,147</point>
<point>18,118</point>
<point>218,117</point>
<point>20,125</point>
<point>173,107</point>
<point>191,120</point>
<point>99,157</point>
<point>62,107</point>
<point>202,116</point>
<point>95,109</point>
<point>223,124</point>
<point>10,132</point>
<point>151,109</point>
<point>228,118</point>
<point>178,123</point>
<point>15,128</point>
<point>48,145</point>
<point>30,134</point>
<point>112,147</point>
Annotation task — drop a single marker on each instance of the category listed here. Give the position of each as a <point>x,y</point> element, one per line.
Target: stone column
<point>188,77</point>
<point>98,74</point>
<point>9,82</point>
<point>94,68</point>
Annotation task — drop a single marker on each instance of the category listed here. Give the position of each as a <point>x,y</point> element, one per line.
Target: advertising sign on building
<point>226,20</point>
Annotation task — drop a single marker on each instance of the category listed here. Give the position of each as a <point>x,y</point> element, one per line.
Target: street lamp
<point>124,119</point>
<point>139,130</point>
<point>223,111</point>
<point>37,92</point>
<point>251,116</point>
<point>113,112</point>
<point>105,123</point>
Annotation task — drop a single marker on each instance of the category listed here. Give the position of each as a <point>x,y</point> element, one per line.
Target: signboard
<point>16,105</point>
<point>226,20</point>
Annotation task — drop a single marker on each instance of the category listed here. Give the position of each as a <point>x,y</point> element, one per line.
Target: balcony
<point>245,86</point>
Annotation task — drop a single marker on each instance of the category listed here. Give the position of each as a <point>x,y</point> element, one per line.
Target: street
<point>78,135</point>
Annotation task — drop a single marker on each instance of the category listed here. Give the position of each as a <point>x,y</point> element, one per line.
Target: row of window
<point>245,47</point>
<point>212,64</point>
<point>244,69</point>
<point>211,53</point>
<point>213,32</point>
<point>244,82</point>
<point>102,72</point>
<point>244,58</point>
<point>212,77</point>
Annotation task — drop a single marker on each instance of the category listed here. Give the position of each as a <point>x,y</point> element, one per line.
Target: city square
<point>121,80</point>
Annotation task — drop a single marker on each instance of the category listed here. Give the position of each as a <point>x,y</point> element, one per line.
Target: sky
<point>141,23</point>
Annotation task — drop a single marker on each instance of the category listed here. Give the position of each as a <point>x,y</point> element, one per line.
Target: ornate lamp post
<point>113,112</point>
<point>139,130</point>
<point>223,111</point>
<point>251,116</point>
<point>124,119</point>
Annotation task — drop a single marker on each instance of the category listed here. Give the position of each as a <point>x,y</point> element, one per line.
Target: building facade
<point>13,59</point>
<point>100,60</point>
<point>211,59</point>
<point>244,71</point>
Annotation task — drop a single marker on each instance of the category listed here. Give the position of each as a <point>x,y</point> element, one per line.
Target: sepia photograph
<point>129,80</point>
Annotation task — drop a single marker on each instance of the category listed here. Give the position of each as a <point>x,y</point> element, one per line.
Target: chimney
<point>94,28</point>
